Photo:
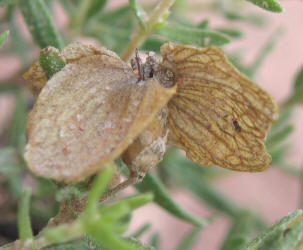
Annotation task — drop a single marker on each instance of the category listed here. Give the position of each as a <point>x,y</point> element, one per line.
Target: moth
<point>98,108</point>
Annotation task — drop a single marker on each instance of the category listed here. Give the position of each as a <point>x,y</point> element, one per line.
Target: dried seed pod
<point>219,116</point>
<point>87,114</point>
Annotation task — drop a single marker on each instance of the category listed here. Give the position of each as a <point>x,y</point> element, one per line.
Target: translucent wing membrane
<point>87,114</point>
<point>218,116</point>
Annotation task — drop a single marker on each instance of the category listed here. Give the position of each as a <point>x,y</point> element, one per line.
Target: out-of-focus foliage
<point>105,225</point>
<point>3,37</point>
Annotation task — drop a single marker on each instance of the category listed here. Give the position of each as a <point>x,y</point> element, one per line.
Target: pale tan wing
<point>86,115</point>
<point>219,116</point>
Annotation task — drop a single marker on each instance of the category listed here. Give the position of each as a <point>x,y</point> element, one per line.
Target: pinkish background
<point>272,192</point>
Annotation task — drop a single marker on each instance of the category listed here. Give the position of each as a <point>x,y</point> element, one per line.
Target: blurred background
<point>266,46</point>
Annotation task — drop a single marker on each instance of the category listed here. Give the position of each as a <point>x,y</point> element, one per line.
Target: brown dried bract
<point>35,78</point>
<point>88,114</point>
<point>219,117</point>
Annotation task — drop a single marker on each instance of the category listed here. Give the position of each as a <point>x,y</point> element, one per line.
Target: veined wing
<point>218,116</point>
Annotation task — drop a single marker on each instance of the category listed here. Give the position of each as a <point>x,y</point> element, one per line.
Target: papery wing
<point>86,115</point>
<point>218,116</point>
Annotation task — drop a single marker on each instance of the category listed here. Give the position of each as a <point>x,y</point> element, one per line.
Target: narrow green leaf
<point>291,169</point>
<point>278,153</point>
<point>193,36</point>
<point>203,24</point>
<point>265,51</point>
<point>91,243</point>
<point>50,61</point>
<point>236,58</point>
<point>180,20</point>
<point>177,161</point>
<point>240,232</point>
<point>113,220</point>
<point>257,20</point>
<point>3,37</point>
<point>141,230</point>
<point>297,95</point>
<point>113,28</point>
<point>284,118</point>
<point>122,225</point>
<point>81,245</point>
<point>264,240</point>
<point>271,5</point>
<point>278,137</point>
<point>139,12</point>
<point>155,240</point>
<point>17,133</point>
<point>137,201</point>
<point>152,44</point>
<point>292,237</point>
<point>106,238</point>
<point>98,188</point>
<point>120,17</point>
<point>164,199</point>
<point>64,232</point>
<point>270,242</point>
<point>40,23</point>
<point>139,244</point>
<point>299,81</point>
<point>126,205</point>
<point>189,240</point>
<point>234,33</point>
<point>24,223</point>
<point>187,173</point>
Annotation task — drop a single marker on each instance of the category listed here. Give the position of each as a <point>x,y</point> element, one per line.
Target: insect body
<point>97,108</point>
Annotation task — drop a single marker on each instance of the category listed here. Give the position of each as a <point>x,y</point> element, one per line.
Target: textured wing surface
<point>87,114</point>
<point>219,116</point>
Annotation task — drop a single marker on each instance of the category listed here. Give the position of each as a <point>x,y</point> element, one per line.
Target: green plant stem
<point>64,233</point>
<point>141,33</point>
<point>77,21</point>
<point>301,196</point>
<point>24,223</point>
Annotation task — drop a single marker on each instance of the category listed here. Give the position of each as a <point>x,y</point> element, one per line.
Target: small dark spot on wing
<point>236,126</point>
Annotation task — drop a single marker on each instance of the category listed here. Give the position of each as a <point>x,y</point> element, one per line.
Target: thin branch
<point>141,33</point>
